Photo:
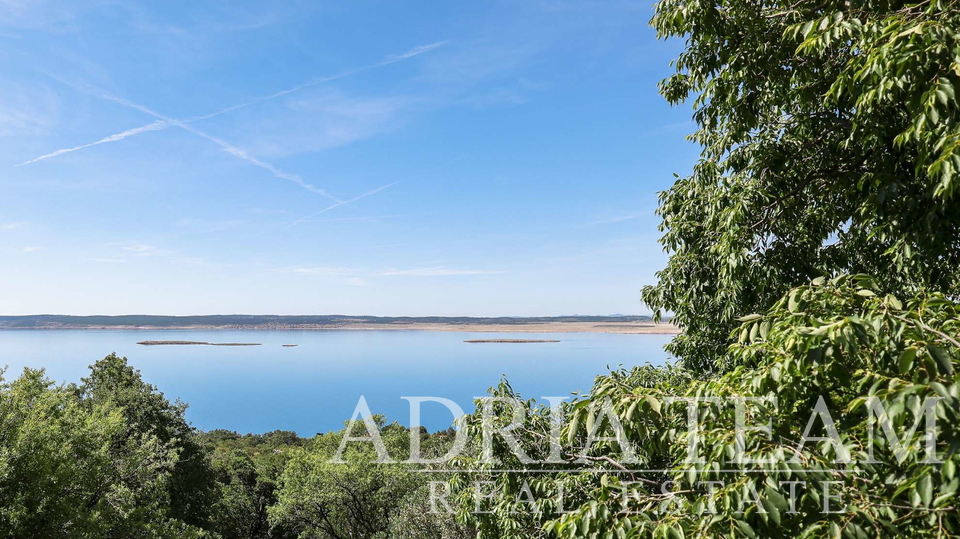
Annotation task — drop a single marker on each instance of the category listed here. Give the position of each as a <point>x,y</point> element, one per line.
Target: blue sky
<point>374,157</point>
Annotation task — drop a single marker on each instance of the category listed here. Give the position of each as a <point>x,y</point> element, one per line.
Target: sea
<point>317,385</point>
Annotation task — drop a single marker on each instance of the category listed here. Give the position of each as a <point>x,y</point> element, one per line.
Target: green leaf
<point>653,402</point>
<point>925,487</point>
<point>776,498</point>
<point>746,528</point>
<point>772,511</point>
<point>905,364</point>
<point>572,429</point>
<point>944,362</point>
<point>631,410</point>
<point>792,303</point>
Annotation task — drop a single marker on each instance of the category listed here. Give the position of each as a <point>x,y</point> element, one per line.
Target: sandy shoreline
<point>534,327</point>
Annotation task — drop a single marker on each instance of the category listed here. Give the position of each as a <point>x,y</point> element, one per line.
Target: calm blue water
<point>315,386</point>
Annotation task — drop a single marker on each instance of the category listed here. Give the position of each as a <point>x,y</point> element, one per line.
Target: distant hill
<point>243,321</point>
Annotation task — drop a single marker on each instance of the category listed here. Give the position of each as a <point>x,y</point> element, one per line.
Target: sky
<point>492,158</point>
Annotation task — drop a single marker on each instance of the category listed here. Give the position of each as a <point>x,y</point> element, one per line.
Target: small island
<point>510,341</point>
<point>290,345</point>
<point>201,343</point>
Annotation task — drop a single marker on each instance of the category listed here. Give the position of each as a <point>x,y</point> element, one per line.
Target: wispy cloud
<point>326,271</point>
<point>368,219</point>
<point>30,249</point>
<point>341,203</point>
<point>10,226</point>
<point>684,128</point>
<point>155,126</point>
<point>359,276</point>
<point>41,14</point>
<point>203,226</point>
<point>140,252</point>
<point>163,124</point>
<point>495,98</point>
<point>327,118</point>
<point>392,59</point>
<point>224,145</point>
<point>416,51</point>
<point>439,271</point>
<point>619,218</point>
<point>347,275</point>
<point>25,110</point>
<point>136,248</point>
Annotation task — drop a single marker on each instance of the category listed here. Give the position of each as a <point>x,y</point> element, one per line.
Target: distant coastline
<point>510,341</point>
<point>558,324</point>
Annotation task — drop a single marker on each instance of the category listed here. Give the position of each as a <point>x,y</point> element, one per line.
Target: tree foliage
<point>113,458</point>
<point>830,145</point>
<point>843,341</point>
<point>148,413</point>
<point>359,498</point>
<point>74,466</point>
<point>247,490</point>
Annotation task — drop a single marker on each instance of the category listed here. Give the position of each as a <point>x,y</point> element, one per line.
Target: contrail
<point>155,126</point>
<point>341,203</point>
<point>224,145</point>
<point>416,51</point>
<point>160,125</point>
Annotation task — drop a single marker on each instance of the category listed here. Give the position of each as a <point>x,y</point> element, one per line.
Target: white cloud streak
<point>224,145</point>
<point>155,126</point>
<point>359,277</point>
<point>416,51</point>
<point>320,270</point>
<point>142,249</point>
<point>439,271</point>
<point>619,218</point>
<point>342,202</point>
<point>159,125</point>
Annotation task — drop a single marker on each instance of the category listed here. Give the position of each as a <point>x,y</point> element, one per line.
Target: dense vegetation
<point>112,457</point>
<point>830,145</point>
<point>842,341</point>
<point>814,265</point>
<point>813,268</point>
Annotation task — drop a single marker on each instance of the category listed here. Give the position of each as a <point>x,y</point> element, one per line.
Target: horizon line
<point>615,315</point>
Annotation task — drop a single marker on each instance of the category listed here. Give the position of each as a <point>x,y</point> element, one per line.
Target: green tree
<point>148,413</point>
<point>247,489</point>
<point>830,144</point>
<point>355,499</point>
<point>69,469</point>
<point>416,518</point>
<point>523,504</point>
<point>841,340</point>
